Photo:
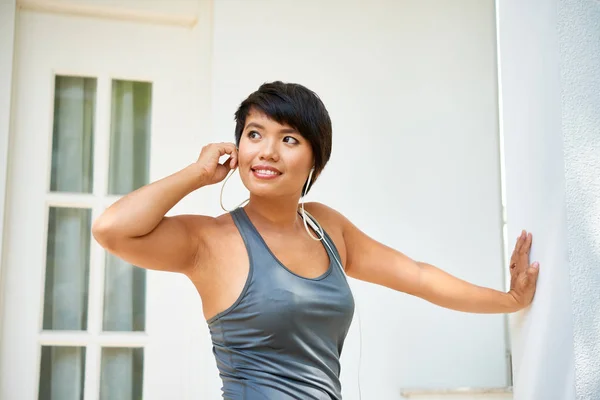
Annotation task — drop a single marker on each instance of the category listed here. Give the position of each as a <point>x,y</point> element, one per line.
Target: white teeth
<point>266,172</point>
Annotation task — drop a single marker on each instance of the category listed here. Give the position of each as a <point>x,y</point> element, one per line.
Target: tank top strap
<point>258,250</point>
<point>329,245</point>
<point>252,240</point>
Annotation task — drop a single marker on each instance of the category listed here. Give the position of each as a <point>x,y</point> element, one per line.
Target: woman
<point>276,300</point>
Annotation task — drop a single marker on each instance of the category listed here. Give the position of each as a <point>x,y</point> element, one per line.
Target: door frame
<point>8,18</point>
<point>9,10</point>
<point>201,27</point>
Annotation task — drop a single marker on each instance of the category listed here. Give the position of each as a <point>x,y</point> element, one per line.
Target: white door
<point>102,107</point>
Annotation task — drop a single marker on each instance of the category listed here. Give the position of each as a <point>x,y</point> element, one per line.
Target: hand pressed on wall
<point>523,276</point>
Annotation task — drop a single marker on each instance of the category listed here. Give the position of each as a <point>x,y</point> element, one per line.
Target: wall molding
<point>73,7</point>
<point>415,393</point>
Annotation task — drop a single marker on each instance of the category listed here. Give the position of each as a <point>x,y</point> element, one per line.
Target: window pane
<point>73,134</point>
<point>67,269</point>
<point>62,373</point>
<point>122,374</point>
<point>124,296</point>
<point>129,136</point>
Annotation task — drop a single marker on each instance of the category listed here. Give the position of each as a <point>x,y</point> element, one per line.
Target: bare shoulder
<point>195,222</point>
<point>207,230</point>
<point>204,226</point>
<point>196,225</point>
<point>329,218</point>
<point>333,222</point>
<point>216,234</point>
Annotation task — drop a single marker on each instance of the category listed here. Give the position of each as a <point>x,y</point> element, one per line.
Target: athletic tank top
<point>283,336</point>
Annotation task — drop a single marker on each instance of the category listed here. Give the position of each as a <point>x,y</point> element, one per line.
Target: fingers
<point>231,149</point>
<point>534,268</point>
<point>516,252</point>
<point>532,273</point>
<point>527,243</point>
<point>523,245</point>
<point>226,148</point>
<point>519,260</point>
<point>230,163</point>
<point>520,240</point>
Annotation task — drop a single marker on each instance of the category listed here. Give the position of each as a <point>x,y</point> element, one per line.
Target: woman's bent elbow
<point>103,231</point>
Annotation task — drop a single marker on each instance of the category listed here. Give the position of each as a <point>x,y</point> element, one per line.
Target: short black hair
<point>294,105</point>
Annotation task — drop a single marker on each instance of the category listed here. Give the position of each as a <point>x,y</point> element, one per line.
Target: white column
<point>530,90</point>
<point>7,37</point>
<point>579,38</point>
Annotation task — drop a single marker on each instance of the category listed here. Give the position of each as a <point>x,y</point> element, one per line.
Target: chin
<point>267,190</point>
<point>263,191</point>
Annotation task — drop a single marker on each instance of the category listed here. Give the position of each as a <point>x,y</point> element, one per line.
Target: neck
<point>278,212</point>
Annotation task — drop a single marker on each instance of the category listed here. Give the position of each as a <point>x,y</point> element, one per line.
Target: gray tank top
<point>283,336</point>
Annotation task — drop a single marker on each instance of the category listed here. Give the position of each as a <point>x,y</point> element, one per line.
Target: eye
<point>253,134</point>
<point>290,140</point>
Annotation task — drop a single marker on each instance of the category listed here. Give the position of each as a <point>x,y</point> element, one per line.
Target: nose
<point>269,150</point>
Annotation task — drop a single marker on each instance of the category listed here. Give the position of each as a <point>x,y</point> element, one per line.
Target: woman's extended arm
<point>371,261</point>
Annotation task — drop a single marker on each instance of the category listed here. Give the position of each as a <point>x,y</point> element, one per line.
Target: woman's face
<point>274,159</point>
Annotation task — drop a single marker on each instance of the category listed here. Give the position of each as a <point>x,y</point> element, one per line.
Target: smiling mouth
<point>265,173</point>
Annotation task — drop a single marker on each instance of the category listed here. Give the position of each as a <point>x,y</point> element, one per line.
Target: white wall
<point>542,338</point>
<point>579,40</point>
<point>411,89</point>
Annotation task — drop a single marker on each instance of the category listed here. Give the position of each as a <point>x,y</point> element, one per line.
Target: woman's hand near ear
<point>135,228</point>
<point>210,171</point>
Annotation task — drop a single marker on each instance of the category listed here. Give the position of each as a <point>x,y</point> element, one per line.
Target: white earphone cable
<point>243,203</point>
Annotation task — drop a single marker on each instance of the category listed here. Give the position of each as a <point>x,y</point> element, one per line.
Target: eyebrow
<point>259,126</point>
